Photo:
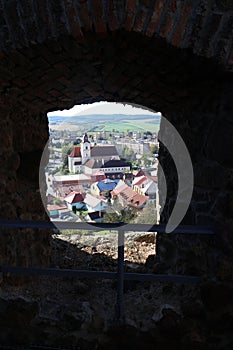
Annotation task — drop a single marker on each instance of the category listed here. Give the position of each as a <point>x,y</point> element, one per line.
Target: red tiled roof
<point>119,189</point>
<point>74,197</point>
<point>138,200</point>
<point>92,164</point>
<point>138,173</point>
<point>65,190</point>
<point>76,152</point>
<point>140,180</point>
<point>132,198</point>
<point>127,194</point>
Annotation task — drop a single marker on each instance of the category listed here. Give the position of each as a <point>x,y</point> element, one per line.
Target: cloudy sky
<point>101,108</point>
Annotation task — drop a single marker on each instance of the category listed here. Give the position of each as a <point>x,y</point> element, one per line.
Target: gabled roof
<point>139,180</point>
<point>127,194</point>
<point>120,182</point>
<point>93,164</point>
<point>91,200</point>
<point>65,190</point>
<point>138,200</point>
<point>121,186</point>
<point>102,151</point>
<point>96,215</point>
<point>130,197</point>
<point>74,197</point>
<point>150,186</point>
<point>76,152</point>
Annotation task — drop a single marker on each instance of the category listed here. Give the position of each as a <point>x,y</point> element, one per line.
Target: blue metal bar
<point>58,272</point>
<point>99,274</point>
<point>119,275</point>
<point>63,225</point>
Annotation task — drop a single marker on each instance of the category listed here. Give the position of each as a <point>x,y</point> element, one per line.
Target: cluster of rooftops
<point>102,194</point>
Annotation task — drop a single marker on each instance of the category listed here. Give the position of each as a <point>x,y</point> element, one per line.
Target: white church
<point>89,159</point>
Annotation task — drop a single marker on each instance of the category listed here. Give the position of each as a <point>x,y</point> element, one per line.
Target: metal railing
<point>119,275</point>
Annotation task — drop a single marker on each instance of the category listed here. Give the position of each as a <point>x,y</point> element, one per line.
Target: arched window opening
<point>103,162</point>
<point>89,141</point>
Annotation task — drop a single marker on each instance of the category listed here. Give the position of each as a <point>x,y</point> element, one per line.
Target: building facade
<point>84,153</point>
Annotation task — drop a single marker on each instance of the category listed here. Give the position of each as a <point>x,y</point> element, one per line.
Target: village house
<point>136,146</point>
<point>77,179</point>
<point>110,167</point>
<point>94,204</point>
<point>75,160</point>
<point>119,187</point>
<point>96,216</point>
<point>126,196</point>
<point>103,188</point>
<point>55,210</point>
<point>74,201</point>
<point>146,186</point>
<point>62,191</point>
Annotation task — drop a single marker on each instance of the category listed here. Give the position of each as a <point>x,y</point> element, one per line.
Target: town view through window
<point>103,161</point>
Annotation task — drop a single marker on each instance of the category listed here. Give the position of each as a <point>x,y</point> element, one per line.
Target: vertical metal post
<point>120,279</point>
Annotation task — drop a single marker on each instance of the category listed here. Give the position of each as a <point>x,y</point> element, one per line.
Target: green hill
<point>116,122</point>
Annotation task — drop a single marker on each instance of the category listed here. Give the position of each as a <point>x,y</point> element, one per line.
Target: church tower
<point>85,149</point>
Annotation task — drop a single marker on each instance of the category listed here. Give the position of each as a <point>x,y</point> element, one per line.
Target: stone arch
<point>202,26</point>
<point>166,55</point>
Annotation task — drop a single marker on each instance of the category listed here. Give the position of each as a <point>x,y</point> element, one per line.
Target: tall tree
<point>66,150</point>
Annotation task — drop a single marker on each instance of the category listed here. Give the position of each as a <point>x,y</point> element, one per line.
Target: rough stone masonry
<point>168,55</point>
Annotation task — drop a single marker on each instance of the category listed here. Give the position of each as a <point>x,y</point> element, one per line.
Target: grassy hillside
<point>112,122</point>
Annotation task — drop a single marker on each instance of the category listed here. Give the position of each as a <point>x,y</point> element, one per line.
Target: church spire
<point>85,148</point>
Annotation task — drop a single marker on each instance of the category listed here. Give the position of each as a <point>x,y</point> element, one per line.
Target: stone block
<point>140,20</point>
<point>98,17</point>
<point>83,16</point>
<point>181,26</point>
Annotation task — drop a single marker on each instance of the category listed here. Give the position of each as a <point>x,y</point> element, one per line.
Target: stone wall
<point>170,56</point>
<point>202,26</point>
<point>60,74</point>
<point>205,126</point>
<point>23,138</point>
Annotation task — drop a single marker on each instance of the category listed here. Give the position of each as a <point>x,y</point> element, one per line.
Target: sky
<point>101,108</point>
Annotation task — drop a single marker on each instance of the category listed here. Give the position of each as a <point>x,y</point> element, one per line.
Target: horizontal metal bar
<point>64,225</point>
<point>58,272</point>
<point>99,274</point>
